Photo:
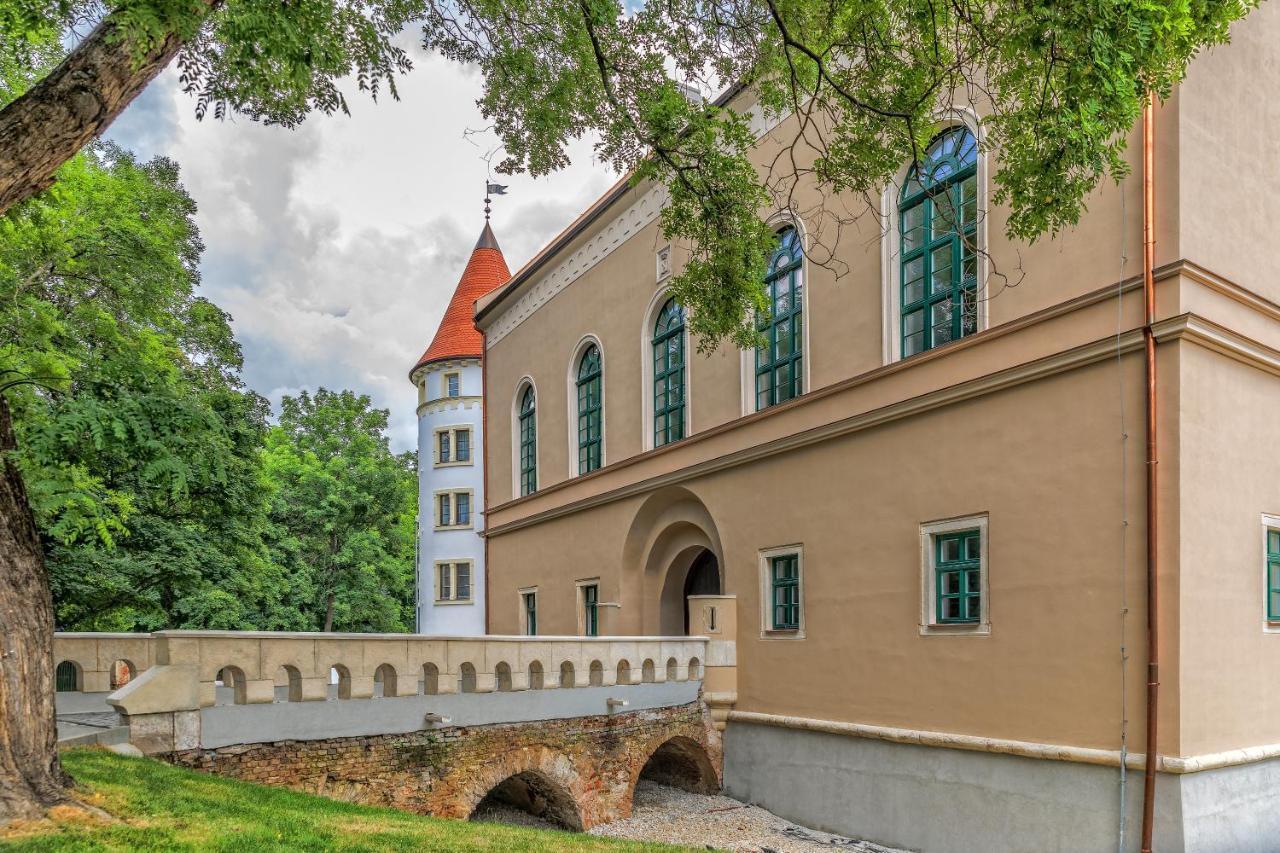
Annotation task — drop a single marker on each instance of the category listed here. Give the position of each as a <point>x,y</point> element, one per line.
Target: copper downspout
<point>1149,344</point>
<point>484,451</point>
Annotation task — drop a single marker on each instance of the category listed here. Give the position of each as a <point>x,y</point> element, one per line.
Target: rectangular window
<point>444,455</point>
<point>1273,574</point>
<point>530,600</point>
<point>452,384</point>
<point>453,509</point>
<point>462,442</point>
<point>958,577</point>
<point>784,582</point>
<point>453,446</point>
<point>453,581</point>
<point>591,610</point>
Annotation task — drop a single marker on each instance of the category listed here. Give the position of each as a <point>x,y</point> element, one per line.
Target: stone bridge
<point>562,727</point>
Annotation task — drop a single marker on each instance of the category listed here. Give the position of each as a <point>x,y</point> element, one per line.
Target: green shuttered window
<point>784,582</point>
<point>590,410</point>
<point>958,580</point>
<point>1273,575</point>
<point>780,360</point>
<point>668,375</point>
<point>528,443</point>
<point>938,221</point>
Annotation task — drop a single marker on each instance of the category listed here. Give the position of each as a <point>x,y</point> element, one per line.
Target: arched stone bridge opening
<point>440,726</point>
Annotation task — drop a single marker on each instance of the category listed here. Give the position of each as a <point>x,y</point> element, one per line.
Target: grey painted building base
<point>933,799</point>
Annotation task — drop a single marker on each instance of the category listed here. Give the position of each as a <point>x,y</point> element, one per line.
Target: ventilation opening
<point>529,799</point>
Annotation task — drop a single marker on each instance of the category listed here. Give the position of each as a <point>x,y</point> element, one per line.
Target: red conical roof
<point>458,336</point>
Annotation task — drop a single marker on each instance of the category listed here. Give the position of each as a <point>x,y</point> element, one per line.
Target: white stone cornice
<point>449,404</point>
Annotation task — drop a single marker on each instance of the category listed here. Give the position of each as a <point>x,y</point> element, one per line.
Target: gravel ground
<point>662,813</point>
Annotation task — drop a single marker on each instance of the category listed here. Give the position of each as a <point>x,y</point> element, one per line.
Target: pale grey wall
<point>224,725</point>
<point>944,800</point>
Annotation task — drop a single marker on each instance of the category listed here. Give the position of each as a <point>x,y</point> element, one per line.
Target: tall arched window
<point>528,443</point>
<point>780,361</point>
<point>590,410</point>
<point>668,375</point>
<point>938,214</point>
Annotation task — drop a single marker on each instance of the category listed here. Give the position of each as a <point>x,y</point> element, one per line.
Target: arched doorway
<point>702,578</point>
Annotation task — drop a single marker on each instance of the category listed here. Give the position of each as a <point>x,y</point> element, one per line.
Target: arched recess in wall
<point>783,223</point>
<point>536,780</point>
<point>680,762</point>
<point>587,371</point>
<point>68,677</point>
<point>672,540</point>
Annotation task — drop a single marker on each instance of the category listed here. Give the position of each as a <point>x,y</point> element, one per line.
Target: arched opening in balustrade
<point>673,669</point>
<point>695,669</point>
<point>532,792</point>
<point>385,682</point>
<point>68,677</point>
<point>430,679</point>
<point>502,674</point>
<point>122,672</point>
<point>624,672</point>
<point>595,674</point>
<point>339,682</point>
<point>566,674</point>
<point>535,676</point>
<point>647,674</point>
<point>288,686</point>
<point>681,762</point>
<point>467,678</point>
<point>229,686</point>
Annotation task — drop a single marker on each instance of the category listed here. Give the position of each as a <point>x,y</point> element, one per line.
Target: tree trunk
<point>31,778</point>
<point>76,102</point>
<point>328,611</point>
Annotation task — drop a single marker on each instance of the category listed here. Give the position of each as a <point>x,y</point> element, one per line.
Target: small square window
<point>453,581</point>
<point>782,593</point>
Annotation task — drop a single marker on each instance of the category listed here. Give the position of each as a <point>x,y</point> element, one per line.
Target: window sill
<point>466,464</point>
<point>444,603</point>
<point>1271,626</point>
<point>453,527</point>
<point>782,634</point>
<point>956,629</point>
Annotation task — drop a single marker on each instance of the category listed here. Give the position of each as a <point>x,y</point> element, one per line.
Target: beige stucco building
<point>932,534</point>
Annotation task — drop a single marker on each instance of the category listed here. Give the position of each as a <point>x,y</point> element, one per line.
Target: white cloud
<point>337,245</point>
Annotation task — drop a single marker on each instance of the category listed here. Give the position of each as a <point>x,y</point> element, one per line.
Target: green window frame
<point>784,585</point>
<point>957,583</point>
<point>528,442</point>
<point>668,374</point>
<point>530,613</point>
<point>591,610</point>
<point>780,360</point>
<point>590,410</point>
<point>1273,574</point>
<point>938,224</point>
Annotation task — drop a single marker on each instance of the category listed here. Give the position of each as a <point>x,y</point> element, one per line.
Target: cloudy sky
<point>337,245</point>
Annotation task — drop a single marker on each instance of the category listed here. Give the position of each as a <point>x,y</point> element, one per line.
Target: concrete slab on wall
<point>225,725</point>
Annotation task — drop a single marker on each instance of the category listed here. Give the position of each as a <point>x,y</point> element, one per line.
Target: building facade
<point>923,498</point>
<point>450,381</point>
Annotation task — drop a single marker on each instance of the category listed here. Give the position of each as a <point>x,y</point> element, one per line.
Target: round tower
<point>450,383</point>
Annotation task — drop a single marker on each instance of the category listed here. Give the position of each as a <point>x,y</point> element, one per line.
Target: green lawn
<point>161,807</point>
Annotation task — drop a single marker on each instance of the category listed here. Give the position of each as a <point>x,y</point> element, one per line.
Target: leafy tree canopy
<point>1058,85</point>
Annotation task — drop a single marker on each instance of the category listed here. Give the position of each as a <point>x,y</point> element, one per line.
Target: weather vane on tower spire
<point>491,188</point>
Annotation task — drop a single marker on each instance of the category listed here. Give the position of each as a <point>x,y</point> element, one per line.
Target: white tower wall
<point>438,411</point>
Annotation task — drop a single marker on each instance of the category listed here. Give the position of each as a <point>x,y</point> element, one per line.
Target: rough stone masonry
<point>579,772</point>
